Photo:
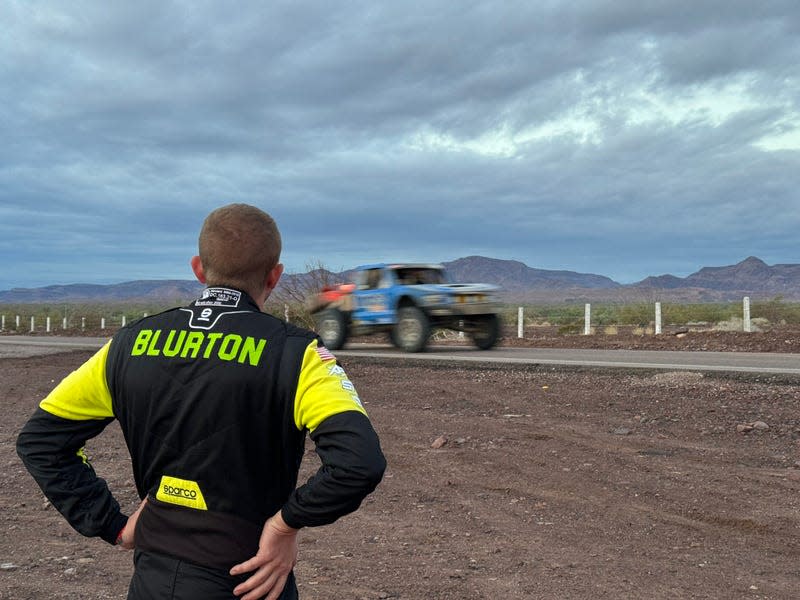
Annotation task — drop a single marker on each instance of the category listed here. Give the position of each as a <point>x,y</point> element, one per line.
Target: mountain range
<point>517,282</point>
<point>750,277</point>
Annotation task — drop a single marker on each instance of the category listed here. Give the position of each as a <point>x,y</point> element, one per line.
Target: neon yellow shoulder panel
<point>83,394</point>
<point>323,389</point>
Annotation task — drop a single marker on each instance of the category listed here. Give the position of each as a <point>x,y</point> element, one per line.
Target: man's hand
<point>126,539</point>
<point>275,559</point>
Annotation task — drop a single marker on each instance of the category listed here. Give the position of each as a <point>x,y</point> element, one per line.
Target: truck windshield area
<point>419,276</point>
<point>371,279</point>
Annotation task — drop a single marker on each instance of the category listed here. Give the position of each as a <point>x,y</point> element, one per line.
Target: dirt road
<point>503,482</point>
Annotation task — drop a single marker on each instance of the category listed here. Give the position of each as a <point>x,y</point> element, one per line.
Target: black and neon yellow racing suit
<point>214,401</point>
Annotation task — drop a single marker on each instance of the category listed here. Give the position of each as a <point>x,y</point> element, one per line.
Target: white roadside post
<point>520,322</point>
<point>123,320</point>
<point>83,323</point>
<point>587,319</point>
<point>33,325</point>
<point>17,323</point>
<point>64,323</point>
<point>2,323</point>
<point>102,323</point>
<point>47,325</point>
<point>286,312</point>
<point>746,316</point>
<point>658,318</point>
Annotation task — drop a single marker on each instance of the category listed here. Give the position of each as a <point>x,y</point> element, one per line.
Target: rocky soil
<point>503,482</point>
<point>785,339</point>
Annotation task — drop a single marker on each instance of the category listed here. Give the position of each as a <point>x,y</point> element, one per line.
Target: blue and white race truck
<point>407,301</point>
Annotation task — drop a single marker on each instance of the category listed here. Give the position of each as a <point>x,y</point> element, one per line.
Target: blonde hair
<point>239,245</point>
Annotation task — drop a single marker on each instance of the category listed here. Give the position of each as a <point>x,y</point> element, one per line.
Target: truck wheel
<point>487,332</point>
<point>332,328</point>
<point>392,337</point>
<point>412,330</point>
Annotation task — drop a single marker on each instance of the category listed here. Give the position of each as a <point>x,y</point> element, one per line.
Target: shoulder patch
<point>324,353</point>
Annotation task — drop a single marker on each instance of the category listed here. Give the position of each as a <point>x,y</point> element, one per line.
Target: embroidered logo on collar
<point>217,296</point>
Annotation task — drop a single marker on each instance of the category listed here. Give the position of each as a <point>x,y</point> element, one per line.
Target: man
<point>214,400</point>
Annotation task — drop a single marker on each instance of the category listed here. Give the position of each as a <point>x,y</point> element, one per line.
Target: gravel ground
<point>503,482</point>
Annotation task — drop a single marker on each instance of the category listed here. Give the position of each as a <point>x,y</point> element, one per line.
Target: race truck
<point>407,302</point>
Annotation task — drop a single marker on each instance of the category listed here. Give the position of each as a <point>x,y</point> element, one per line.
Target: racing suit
<point>214,401</point>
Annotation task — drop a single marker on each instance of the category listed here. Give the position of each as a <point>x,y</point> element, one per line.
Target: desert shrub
<point>552,314</point>
<point>638,315</point>
<point>88,313</point>
<point>681,314</point>
<point>642,314</point>
<point>291,298</point>
<point>570,329</point>
<point>776,311</point>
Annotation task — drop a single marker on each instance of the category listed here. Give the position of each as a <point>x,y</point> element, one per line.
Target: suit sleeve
<point>353,464</point>
<point>51,445</point>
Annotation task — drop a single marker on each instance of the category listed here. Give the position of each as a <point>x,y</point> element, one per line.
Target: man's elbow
<point>373,472</point>
<point>26,447</point>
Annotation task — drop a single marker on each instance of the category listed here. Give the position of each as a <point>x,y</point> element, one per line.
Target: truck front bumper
<point>464,310</point>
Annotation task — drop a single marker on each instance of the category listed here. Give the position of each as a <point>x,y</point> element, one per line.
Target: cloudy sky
<point>620,137</point>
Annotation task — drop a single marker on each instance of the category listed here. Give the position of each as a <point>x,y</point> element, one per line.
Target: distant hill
<point>149,291</point>
<point>517,281</point>
<point>752,274</point>
<point>515,276</point>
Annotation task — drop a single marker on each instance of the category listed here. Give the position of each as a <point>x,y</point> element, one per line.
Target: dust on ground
<point>503,482</point>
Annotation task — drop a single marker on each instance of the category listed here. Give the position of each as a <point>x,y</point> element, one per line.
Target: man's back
<point>205,398</point>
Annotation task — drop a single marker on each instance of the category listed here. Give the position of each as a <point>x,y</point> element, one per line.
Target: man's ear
<point>274,276</point>
<point>197,267</point>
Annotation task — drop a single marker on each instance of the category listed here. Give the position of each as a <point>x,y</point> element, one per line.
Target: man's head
<point>239,246</point>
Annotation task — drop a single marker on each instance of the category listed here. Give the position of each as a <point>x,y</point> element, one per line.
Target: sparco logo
<point>179,492</point>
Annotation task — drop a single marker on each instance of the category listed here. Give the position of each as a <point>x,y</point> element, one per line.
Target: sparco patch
<point>182,492</point>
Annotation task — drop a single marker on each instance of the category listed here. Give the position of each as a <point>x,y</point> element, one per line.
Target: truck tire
<point>487,332</point>
<point>392,337</point>
<point>412,330</point>
<point>332,328</point>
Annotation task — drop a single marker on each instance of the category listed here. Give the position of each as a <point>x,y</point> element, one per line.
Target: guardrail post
<point>658,318</point>
<point>746,316</point>
<point>520,322</point>
<point>587,319</point>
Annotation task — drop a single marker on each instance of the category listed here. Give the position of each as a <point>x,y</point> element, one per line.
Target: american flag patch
<point>325,354</point>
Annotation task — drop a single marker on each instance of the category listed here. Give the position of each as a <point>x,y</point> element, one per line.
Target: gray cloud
<point>622,138</point>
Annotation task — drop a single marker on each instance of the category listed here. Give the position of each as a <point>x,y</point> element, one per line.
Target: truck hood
<point>456,288</point>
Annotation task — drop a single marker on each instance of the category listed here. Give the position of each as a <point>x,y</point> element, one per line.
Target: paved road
<point>645,359</point>
<point>18,345</point>
<point>29,345</point>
